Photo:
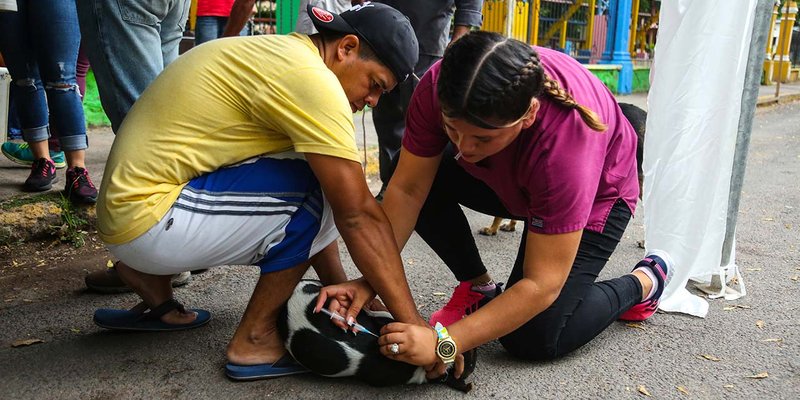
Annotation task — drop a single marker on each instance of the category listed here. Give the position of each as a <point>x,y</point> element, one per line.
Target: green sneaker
<point>21,153</point>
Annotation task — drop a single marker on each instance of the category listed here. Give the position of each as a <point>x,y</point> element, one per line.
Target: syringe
<point>341,318</point>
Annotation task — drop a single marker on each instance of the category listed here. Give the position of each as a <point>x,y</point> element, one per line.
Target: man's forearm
<point>240,13</point>
<point>459,31</point>
<point>378,259</point>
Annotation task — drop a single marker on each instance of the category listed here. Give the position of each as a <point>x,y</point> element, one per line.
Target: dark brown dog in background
<point>638,119</point>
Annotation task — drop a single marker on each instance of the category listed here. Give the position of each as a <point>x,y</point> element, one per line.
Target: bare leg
<point>256,340</point>
<point>481,280</point>
<point>647,284</point>
<point>154,290</point>
<point>328,265</point>
<point>76,158</point>
<point>39,149</point>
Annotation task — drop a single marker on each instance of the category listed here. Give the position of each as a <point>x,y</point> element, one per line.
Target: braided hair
<point>498,84</point>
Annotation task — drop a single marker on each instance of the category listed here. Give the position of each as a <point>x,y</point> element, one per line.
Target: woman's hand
<point>347,299</point>
<point>416,345</point>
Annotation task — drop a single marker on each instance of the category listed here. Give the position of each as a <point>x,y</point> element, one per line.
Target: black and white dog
<point>326,350</point>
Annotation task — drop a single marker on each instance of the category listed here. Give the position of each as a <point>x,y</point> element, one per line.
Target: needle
<point>341,318</point>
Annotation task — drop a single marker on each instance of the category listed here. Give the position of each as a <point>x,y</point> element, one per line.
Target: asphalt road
<point>664,355</point>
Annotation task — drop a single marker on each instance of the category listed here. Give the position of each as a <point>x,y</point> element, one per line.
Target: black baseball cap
<point>387,31</point>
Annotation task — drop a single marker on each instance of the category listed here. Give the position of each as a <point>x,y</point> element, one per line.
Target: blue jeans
<point>40,43</point>
<point>210,28</point>
<point>129,42</point>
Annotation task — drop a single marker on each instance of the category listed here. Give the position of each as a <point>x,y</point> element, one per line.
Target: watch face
<point>446,349</point>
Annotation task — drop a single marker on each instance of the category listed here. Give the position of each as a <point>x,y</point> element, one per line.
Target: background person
<point>431,21</point>
<point>212,16</point>
<point>40,47</point>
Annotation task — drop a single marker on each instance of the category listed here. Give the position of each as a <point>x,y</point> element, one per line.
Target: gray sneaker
<point>108,281</point>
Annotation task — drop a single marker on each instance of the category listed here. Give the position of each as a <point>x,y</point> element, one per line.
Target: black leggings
<point>582,310</point>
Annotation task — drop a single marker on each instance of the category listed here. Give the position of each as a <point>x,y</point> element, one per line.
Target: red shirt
<point>559,173</point>
<point>214,8</point>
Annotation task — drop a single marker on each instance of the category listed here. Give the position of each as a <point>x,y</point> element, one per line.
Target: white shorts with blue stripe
<point>268,212</point>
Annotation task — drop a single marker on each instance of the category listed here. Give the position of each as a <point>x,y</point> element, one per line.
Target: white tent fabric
<point>693,112</point>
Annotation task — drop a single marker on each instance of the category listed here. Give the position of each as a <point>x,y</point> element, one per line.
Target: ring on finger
<point>394,348</point>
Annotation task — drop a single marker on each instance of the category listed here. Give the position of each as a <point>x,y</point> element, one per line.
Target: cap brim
<point>325,20</point>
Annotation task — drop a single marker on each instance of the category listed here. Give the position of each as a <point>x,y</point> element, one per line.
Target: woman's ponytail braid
<point>554,90</point>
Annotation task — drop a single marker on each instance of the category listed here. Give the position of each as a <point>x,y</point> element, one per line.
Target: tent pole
<point>752,79</point>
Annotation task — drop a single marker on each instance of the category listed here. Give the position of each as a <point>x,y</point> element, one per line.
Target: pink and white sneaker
<point>645,309</point>
<point>466,299</point>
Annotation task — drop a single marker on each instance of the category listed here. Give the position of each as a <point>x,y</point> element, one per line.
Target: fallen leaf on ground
<point>708,357</point>
<point>773,340</point>
<point>761,375</point>
<point>109,264</point>
<point>26,342</point>
<point>74,330</point>
<point>796,278</point>
<point>682,389</point>
<point>636,326</point>
<point>643,390</point>
<point>760,323</point>
<point>735,306</point>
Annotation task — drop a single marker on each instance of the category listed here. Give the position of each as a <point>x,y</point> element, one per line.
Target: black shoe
<point>43,174</point>
<point>79,187</point>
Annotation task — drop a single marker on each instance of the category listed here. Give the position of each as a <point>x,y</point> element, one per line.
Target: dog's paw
<point>487,231</point>
<point>509,227</point>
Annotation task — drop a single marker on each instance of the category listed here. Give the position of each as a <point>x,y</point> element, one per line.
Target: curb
<point>766,101</point>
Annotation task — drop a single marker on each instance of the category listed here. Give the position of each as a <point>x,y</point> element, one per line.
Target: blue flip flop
<point>140,319</point>
<point>285,365</point>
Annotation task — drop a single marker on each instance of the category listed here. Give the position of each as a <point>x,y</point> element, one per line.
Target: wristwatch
<point>445,347</point>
